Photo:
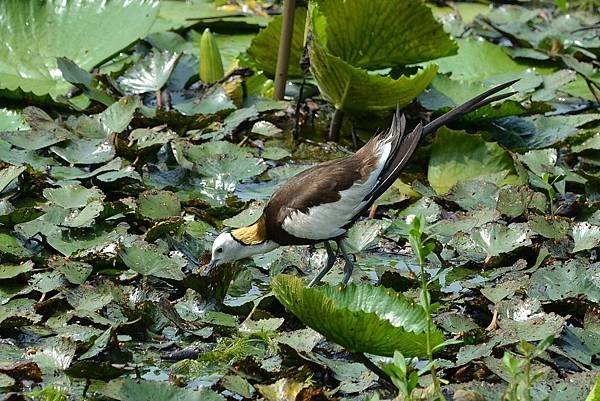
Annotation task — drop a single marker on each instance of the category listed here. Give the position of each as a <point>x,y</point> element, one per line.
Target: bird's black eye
<point>219,250</point>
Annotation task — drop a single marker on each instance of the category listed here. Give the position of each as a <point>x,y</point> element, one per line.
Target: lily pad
<point>11,246</point>
<point>10,271</point>
<point>550,228</point>
<point>75,272</point>
<point>149,261</point>
<point>133,390</point>
<point>149,74</point>
<point>359,318</point>
<point>72,196</point>
<point>86,151</point>
<point>84,32</point>
<point>8,175</point>
<point>11,120</point>
<point>457,156</point>
<point>559,281</point>
<point>478,60</point>
<point>539,131</point>
<point>84,217</point>
<point>21,310</point>
<point>118,115</point>
<point>157,205</point>
<point>212,101</point>
<point>585,236</point>
<point>496,239</point>
<point>87,298</point>
<point>32,139</point>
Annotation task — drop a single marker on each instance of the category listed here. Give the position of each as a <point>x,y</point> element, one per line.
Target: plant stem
<point>285,46</point>
<point>427,306</point>
<point>335,126</point>
<point>528,383</point>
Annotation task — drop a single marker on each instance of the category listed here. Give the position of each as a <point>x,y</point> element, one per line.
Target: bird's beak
<point>211,265</point>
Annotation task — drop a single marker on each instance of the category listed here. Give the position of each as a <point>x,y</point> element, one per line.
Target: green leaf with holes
<point>361,318</point>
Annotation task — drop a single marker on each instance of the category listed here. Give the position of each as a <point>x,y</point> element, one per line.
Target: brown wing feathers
<point>323,183</point>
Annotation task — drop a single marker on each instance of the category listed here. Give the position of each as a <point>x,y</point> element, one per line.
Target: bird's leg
<point>328,265</point>
<point>349,266</point>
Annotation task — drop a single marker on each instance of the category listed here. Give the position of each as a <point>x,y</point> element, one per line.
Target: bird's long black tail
<point>407,145</point>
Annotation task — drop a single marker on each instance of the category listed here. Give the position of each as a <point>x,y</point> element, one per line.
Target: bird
<point>320,204</point>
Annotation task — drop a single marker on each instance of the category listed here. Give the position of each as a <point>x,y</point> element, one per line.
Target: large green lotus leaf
<point>352,88</point>
<point>174,14</point>
<point>380,33</point>
<point>361,318</point>
<point>263,50</point>
<point>85,31</point>
<point>457,156</point>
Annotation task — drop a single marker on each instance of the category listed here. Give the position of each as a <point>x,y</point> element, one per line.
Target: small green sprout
<point>519,369</point>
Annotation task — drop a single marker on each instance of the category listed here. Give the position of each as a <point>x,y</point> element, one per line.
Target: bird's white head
<point>226,249</point>
<point>240,243</point>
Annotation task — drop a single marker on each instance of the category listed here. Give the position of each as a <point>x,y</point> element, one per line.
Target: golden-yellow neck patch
<point>252,235</point>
